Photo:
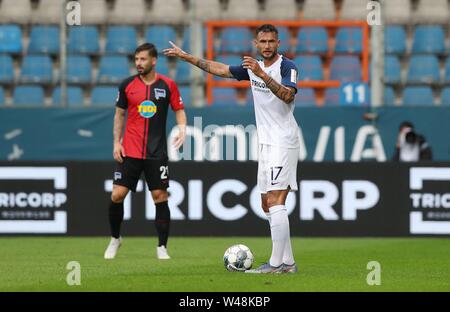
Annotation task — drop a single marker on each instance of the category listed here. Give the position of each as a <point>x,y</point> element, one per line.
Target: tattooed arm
<point>215,68</point>
<point>286,94</point>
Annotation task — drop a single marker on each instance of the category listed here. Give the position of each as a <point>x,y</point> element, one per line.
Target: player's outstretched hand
<point>252,64</point>
<point>179,138</point>
<point>118,152</point>
<point>173,51</point>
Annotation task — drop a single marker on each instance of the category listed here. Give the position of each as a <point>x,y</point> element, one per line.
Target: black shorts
<point>156,173</point>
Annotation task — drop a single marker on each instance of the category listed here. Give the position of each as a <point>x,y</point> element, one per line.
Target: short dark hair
<point>266,28</point>
<point>150,47</point>
<point>406,124</point>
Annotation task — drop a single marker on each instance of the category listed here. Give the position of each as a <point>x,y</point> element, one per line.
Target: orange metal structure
<point>322,84</point>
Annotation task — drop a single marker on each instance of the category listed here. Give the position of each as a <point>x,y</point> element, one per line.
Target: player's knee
<point>117,196</point>
<point>264,205</point>
<point>119,193</point>
<point>160,196</point>
<point>275,198</point>
<point>271,201</point>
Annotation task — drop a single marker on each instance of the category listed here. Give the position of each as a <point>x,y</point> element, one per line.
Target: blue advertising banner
<point>326,134</point>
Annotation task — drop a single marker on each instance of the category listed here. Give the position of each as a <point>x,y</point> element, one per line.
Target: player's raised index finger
<point>173,44</point>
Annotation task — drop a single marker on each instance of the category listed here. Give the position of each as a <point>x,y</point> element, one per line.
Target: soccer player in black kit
<point>145,98</point>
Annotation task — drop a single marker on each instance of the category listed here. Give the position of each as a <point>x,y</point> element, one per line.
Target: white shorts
<point>277,168</point>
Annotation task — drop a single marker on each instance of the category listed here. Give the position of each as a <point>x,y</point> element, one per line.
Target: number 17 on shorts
<point>274,174</point>
<point>277,168</point>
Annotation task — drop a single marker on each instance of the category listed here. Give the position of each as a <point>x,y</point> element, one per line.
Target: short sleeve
<point>289,74</point>
<point>176,102</point>
<point>122,100</point>
<point>239,72</point>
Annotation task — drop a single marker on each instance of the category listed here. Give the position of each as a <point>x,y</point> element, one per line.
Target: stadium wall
<point>221,198</point>
<point>327,133</point>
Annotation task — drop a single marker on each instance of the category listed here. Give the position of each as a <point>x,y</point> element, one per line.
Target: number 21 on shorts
<point>164,172</point>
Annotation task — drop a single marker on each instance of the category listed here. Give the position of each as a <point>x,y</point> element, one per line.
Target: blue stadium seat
<point>224,96</point>
<point>185,92</point>
<point>74,96</point>
<point>10,39</point>
<point>285,37</point>
<point>83,40</point>
<point>349,40</point>
<point>423,69</point>
<point>162,66</point>
<point>312,40</point>
<point>160,36</point>
<point>445,96</point>
<point>389,96</point>
<point>305,97</point>
<point>2,96</point>
<point>28,96</point>
<point>428,39</point>
<point>447,70</point>
<point>6,69</point>
<point>44,39</point>
<point>233,60</point>
<point>36,69</point>
<point>418,96</point>
<point>229,59</point>
<point>79,69</point>
<point>183,72</point>
<point>394,39</point>
<point>235,40</point>
<point>392,69</point>
<point>113,69</point>
<point>104,96</point>
<point>121,40</point>
<point>310,67</point>
<point>186,45</point>
<point>332,96</point>
<point>346,68</point>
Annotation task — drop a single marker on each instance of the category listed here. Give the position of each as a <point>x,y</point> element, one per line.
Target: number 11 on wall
<point>354,94</point>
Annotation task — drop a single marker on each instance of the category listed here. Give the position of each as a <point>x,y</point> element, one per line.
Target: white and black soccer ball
<point>238,258</point>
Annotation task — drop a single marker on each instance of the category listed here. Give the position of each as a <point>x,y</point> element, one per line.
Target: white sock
<point>288,257</point>
<point>279,228</point>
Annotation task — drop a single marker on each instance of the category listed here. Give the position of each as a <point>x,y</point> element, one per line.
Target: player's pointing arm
<point>215,68</point>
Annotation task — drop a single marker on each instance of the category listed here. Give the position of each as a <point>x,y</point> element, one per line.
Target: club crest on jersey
<point>147,109</point>
<point>160,93</point>
<point>293,76</point>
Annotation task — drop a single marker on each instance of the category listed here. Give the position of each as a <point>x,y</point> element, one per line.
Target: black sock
<point>162,222</point>
<point>115,218</point>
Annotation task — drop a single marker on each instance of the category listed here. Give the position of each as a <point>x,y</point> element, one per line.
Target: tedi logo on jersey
<point>147,109</point>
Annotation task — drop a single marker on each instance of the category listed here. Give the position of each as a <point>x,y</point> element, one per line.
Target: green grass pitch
<point>325,264</point>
